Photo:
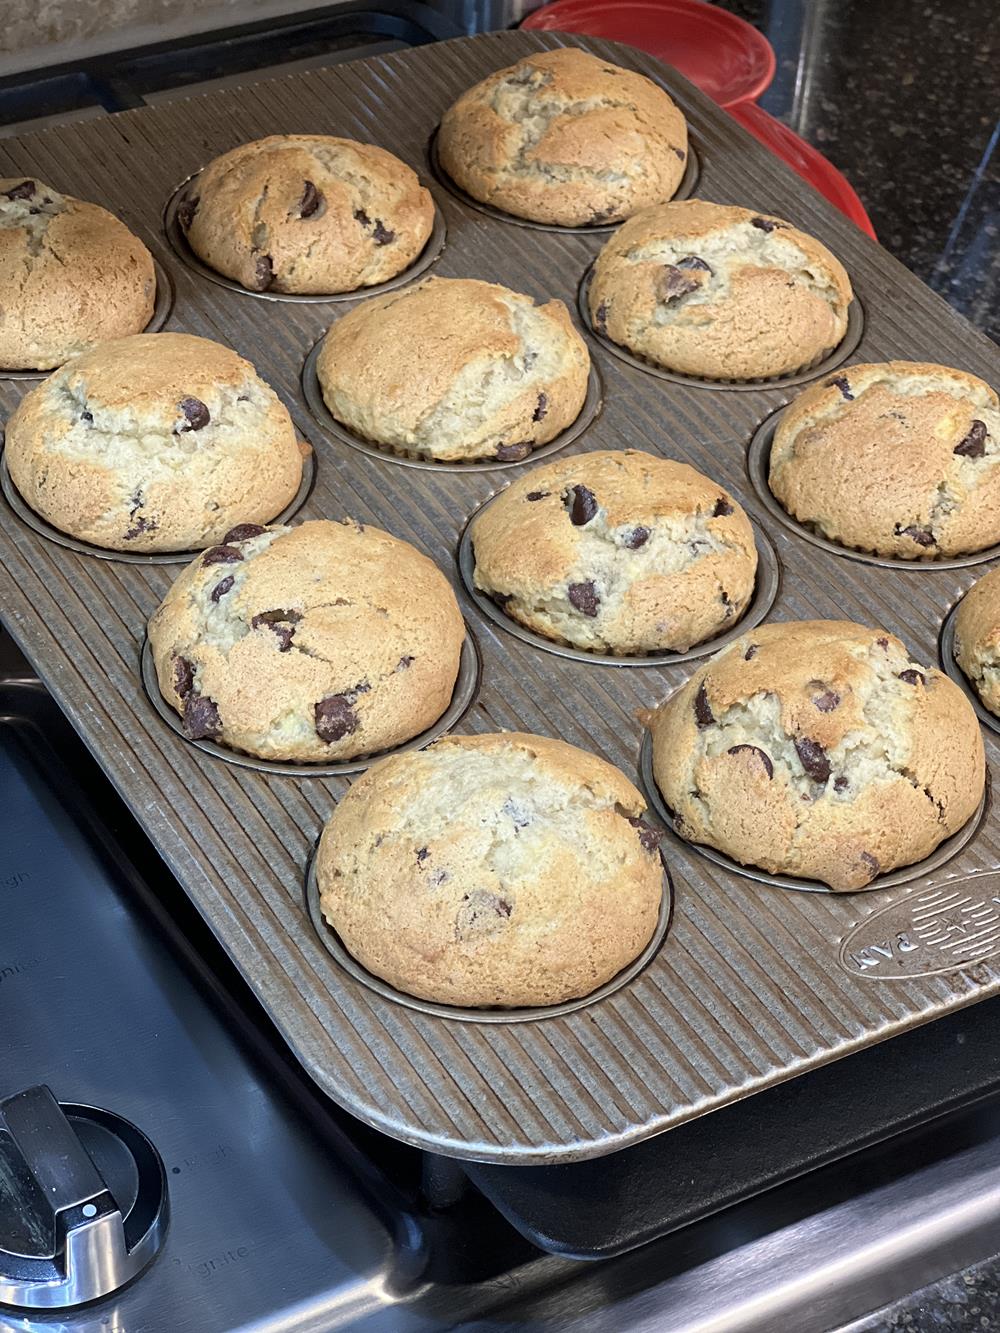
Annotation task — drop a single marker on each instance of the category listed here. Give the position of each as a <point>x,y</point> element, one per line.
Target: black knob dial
<point>83,1201</point>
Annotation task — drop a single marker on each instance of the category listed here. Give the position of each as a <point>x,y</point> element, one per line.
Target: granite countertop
<point>903,96</point>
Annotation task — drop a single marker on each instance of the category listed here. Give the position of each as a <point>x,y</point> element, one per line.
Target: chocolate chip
<point>680,153</point>
<point>974,444</point>
<point>281,623</point>
<point>765,224</point>
<point>201,717</point>
<point>195,413</point>
<point>87,417</point>
<point>405,662</point>
<point>222,587</point>
<point>311,200</point>
<point>513,453</point>
<point>639,536</point>
<point>141,525</point>
<point>813,758</point>
<point>922,536</point>
<point>243,532</point>
<point>703,714</point>
<point>582,505</point>
<point>694,262</point>
<point>584,597</point>
<point>649,836</point>
<point>186,210</point>
<point>481,913</point>
<point>422,854</point>
<point>335,718</point>
<point>23,191</point>
<point>728,606</point>
<point>827,701</point>
<point>840,783</point>
<point>537,495</point>
<point>883,644</point>
<point>601,317</point>
<point>382,235</point>
<point>722,508</point>
<point>183,676</point>
<point>674,283</point>
<point>541,408</point>
<point>221,555</point>
<point>765,759</point>
<point>872,862</point>
<point>361,216</point>
<point>911,676</point>
<point>751,652</point>
<point>843,384</point>
<point>263,273</point>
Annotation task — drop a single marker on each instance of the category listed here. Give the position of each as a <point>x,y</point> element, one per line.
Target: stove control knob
<point>83,1202</point>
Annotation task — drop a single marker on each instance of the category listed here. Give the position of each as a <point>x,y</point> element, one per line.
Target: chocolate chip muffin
<point>898,458</point>
<point>819,749</point>
<point>719,292</point>
<point>564,137</point>
<point>311,644</point>
<point>492,870</point>
<point>158,442</point>
<point>455,369</point>
<point>977,638</point>
<point>71,275</point>
<point>307,213</point>
<point>617,552</point>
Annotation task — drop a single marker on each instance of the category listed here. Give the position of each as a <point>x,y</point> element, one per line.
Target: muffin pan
<point>162,306</point>
<point>179,244</point>
<point>813,371</point>
<point>765,591</point>
<point>685,189</point>
<point>335,947</point>
<point>759,467</point>
<point>313,395</point>
<point>463,696</point>
<point>44,529</point>
<point>749,987</point>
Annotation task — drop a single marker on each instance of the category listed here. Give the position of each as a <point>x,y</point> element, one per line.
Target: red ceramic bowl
<point>805,160</point>
<point>724,55</point>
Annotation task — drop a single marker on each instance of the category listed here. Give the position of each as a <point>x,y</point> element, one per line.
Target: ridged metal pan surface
<point>748,988</point>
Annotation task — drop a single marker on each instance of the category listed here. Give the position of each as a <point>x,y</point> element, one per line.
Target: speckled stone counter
<point>903,97</point>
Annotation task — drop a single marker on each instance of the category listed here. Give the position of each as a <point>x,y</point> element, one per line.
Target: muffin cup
<point>53,534</point>
<point>314,399</point>
<point>179,244</point>
<point>812,370</point>
<point>331,941</point>
<point>758,468</point>
<point>951,668</point>
<point>463,696</point>
<point>685,189</point>
<point>162,306</point>
<point>903,875</point>
<point>766,586</point>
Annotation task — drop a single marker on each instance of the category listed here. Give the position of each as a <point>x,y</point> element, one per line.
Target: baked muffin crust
<point>977,638</point>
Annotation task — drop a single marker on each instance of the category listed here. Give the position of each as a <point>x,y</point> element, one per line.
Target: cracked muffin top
<point>977,638</point>
<point>617,551</point>
<point>503,869</point>
<point>311,644</point>
<point>71,275</point>
<point>307,213</point>
<point>899,458</point>
<point>158,442</point>
<point>455,369</point>
<point>564,137</point>
<point>719,292</point>
<point>818,749</point>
